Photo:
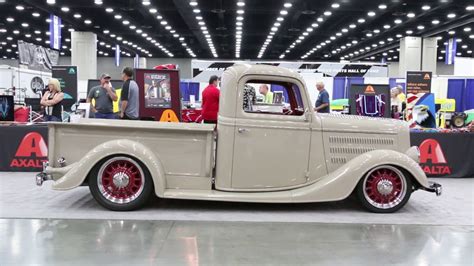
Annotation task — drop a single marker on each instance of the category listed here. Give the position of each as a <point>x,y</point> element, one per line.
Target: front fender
<point>78,171</point>
<point>339,184</point>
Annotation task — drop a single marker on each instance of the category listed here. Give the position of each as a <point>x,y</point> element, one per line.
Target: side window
<point>271,97</point>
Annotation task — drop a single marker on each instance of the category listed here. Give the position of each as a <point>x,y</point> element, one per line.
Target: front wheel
<point>120,183</point>
<point>384,189</point>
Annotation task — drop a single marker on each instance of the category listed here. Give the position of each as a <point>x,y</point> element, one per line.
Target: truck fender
<point>339,184</point>
<point>79,170</point>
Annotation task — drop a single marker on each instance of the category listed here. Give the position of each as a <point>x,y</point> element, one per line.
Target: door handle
<point>242,130</point>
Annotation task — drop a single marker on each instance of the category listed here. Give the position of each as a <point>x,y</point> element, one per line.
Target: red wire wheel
<point>385,189</point>
<point>121,180</point>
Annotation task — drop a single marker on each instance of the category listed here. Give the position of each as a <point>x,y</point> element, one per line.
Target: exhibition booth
<point>358,89</point>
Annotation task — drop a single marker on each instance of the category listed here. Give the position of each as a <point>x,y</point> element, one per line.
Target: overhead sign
<point>55,32</point>
<point>37,57</point>
<point>418,82</point>
<point>451,48</point>
<point>204,69</point>
<point>67,76</point>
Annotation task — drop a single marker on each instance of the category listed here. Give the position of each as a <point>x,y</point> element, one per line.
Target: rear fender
<point>79,171</point>
<point>339,184</point>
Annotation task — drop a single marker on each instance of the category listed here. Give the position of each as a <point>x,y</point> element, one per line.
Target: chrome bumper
<point>43,176</point>
<point>434,187</point>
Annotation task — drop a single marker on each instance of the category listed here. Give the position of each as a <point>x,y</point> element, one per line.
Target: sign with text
<point>67,76</point>
<point>37,57</point>
<point>418,82</point>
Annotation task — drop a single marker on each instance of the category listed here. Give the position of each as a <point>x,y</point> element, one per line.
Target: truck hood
<point>361,124</point>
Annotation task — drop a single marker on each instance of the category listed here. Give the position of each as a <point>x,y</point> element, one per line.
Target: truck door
<point>272,135</point>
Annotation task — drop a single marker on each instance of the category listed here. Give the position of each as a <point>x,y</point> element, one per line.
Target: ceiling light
<point>376,31</point>
<point>51,2</point>
<point>420,27</point>
<point>25,25</point>
<point>35,14</point>
<point>371,13</point>
<point>77,15</point>
<point>386,26</point>
<point>284,12</point>
<point>118,16</point>
<point>327,13</point>
<point>65,9</point>
<point>87,21</point>
<point>196,11</point>
<point>398,21</point>
<point>411,15</point>
<point>409,32</point>
<point>467,29</point>
<point>146,2</point>
<point>335,5</point>
<point>435,22</point>
<point>106,31</point>
<point>361,20</point>
<point>10,19</point>
<point>320,19</point>
<point>369,35</point>
<point>451,15</point>
<point>399,35</point>
<point>125,22</point>
<point>241,3</point>
<point>288,5</point>
<point>345,30</point>
<point>240,12</point>
<point>109,10</point>
<point>352,26</point>
<point>426,7</point>
<point>20,8</point>
<point>451,32</point>
<point>16,32</point>
<point>280,19</point>
<point>383,6</point>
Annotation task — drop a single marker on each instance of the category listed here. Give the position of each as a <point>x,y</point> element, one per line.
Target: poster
<point>370,100</point>
<point>418,82</point>
<point>157,90</point>
<point>37,57</point>
<point>6,108</point>
<point>67,76</point>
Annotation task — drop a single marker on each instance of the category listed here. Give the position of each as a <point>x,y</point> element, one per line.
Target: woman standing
<point>52,101</point>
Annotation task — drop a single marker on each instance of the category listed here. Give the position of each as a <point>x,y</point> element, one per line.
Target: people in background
<point>395,100</point>
<point>210,101</point>
<point>322,103</point>
<point>52,101</point>
<point>104,95</point>
<point>268,95</point>
<point>129,98</point>
<point>400,95</point>
<point>250,97</point>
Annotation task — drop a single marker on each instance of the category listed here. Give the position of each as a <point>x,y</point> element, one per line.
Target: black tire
<point>384,189</point>
<point>120,183</point>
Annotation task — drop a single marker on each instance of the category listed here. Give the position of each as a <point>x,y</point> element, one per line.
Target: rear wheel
<point>120,183</point>
<point>384,189</point>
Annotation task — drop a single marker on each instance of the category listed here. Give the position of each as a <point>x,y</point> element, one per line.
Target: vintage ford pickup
<point>279,152</point>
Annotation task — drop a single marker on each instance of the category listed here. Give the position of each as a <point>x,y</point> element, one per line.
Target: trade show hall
<point>236,132</point>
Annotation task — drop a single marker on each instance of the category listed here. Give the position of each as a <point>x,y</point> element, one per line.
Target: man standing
<point>210,101</point>
<point>263,89</point>
<point>322,104</point>
<point>104,95</point>
<point>129,97</point>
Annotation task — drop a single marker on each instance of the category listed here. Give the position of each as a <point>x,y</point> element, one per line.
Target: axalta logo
<point>427,76</point>
<point>31,152</point>
<point>432,158</point>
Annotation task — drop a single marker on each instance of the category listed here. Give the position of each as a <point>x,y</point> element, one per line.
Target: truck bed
<point>185,150</point>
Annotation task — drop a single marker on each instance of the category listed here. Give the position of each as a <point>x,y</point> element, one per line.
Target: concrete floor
<point>109,242</point>
<point>21,198</point>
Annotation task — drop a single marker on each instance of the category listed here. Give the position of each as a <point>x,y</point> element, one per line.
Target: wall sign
<point>37,57</point>
<point>418,82</point>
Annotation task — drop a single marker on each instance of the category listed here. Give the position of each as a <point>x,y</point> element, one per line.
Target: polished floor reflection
<point>118,242</point>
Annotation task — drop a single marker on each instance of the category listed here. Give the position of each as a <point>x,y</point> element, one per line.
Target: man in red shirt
<point>210,101</point>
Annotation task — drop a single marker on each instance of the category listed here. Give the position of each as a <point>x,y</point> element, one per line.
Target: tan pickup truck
<point>260,152</point>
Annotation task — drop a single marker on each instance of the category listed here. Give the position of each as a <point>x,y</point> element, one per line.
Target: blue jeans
<point>50,118</point>
<point>105,116</point>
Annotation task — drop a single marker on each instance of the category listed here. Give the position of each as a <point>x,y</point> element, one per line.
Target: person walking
<point>210,101</point>
<point>322,103</point>
<point>129,96</point>
<point>104,96</point>
<point>52,101</point>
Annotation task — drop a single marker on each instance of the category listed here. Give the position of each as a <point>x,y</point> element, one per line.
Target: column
<point>84,54</point>
<point>429,59</point>
<point>410,54</point>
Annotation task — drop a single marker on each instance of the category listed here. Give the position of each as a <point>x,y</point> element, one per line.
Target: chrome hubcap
<point>385,187</point>
<point>121,180</point>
